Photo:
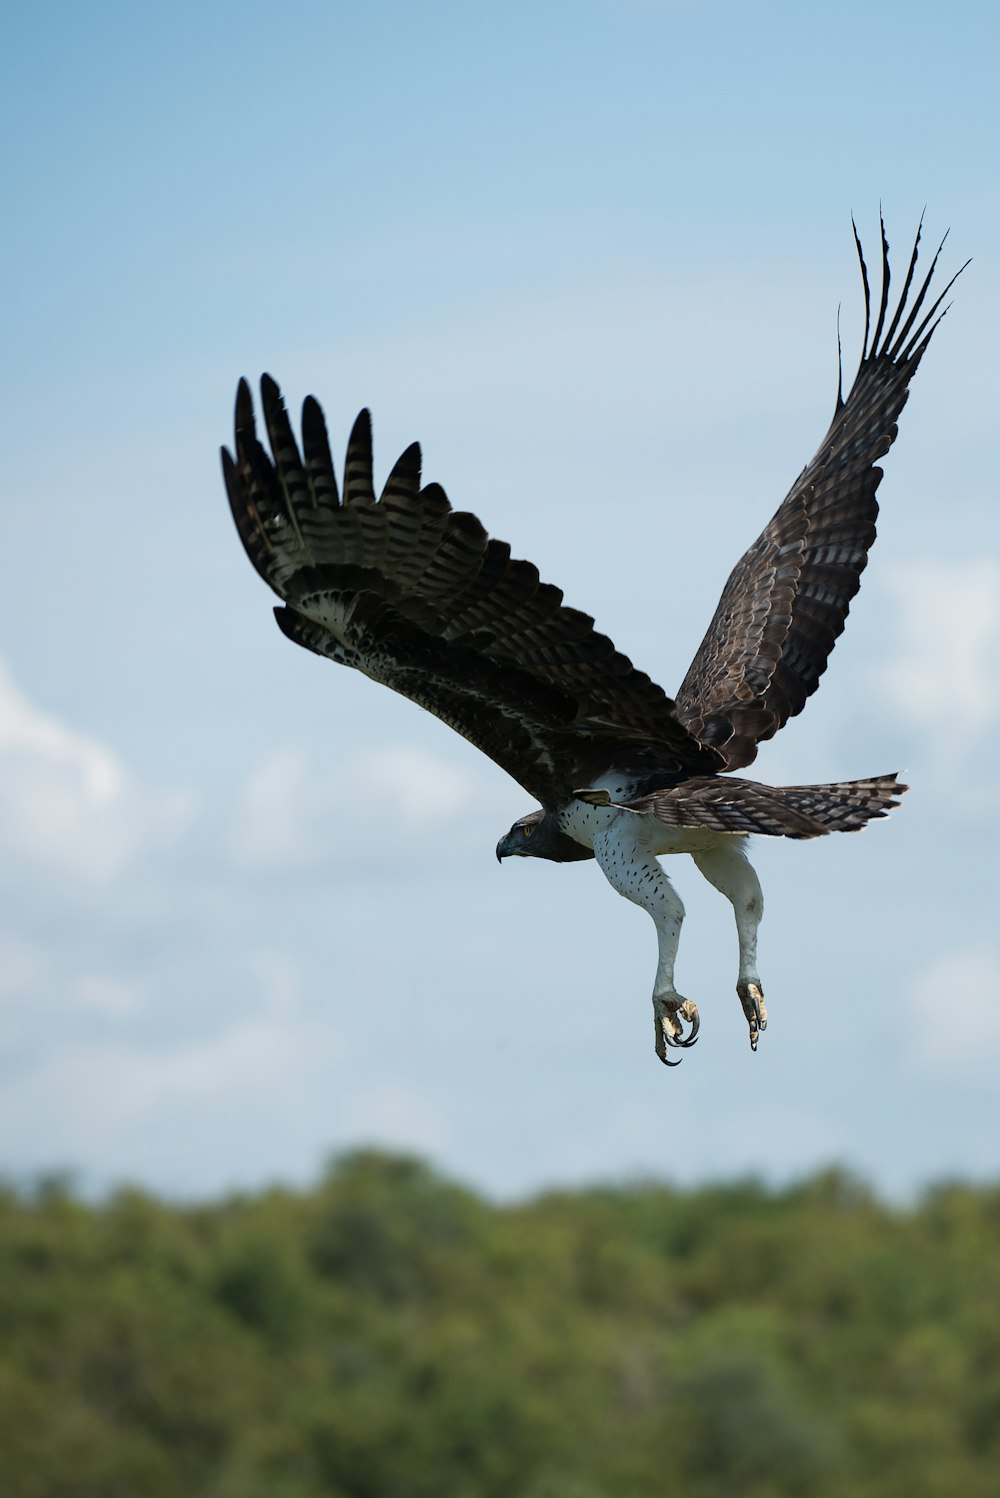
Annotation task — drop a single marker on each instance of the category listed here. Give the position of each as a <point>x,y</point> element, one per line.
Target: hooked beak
<point>503,848</point>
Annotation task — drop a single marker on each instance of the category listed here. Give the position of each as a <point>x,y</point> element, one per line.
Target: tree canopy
<point>390,1334</point>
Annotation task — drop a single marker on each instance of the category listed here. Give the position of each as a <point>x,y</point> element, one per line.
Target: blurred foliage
<point>389,1334</point>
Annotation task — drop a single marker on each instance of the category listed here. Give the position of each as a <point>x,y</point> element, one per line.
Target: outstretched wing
<point>787,599</point>
<point>418,597</point>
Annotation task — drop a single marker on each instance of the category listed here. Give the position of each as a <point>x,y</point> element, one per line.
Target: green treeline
<point>391,1335</point>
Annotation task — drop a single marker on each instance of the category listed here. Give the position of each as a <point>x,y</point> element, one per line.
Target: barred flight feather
<point>419,597</point>
<point>796,811</point>
<point>768,634</point>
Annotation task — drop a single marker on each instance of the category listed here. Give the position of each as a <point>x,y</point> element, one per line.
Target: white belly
<point>645,831</point>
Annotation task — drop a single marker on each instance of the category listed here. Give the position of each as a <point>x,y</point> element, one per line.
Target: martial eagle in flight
<point>418,596</point>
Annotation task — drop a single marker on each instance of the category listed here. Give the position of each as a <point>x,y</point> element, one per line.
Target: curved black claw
<point>671,1015</point>
<point>752,999</point>
<point>758,1022</point>
<point>678,1042</point>
<point>681,1042</point>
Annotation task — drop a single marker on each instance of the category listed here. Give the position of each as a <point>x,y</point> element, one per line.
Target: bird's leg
<point>634,872</point>
<point>726,867</point>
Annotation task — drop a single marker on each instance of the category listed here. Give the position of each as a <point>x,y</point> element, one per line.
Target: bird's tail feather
<point>722,804</point>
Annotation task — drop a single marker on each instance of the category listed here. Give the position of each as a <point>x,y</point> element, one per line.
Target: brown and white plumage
<point>417,596</point>
<point>787,598</point>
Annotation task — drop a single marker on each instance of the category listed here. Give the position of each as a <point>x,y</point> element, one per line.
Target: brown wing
<point>418,597</point>
<point>787,599</point>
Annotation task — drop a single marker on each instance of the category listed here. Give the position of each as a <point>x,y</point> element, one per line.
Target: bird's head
<point>538,835</point>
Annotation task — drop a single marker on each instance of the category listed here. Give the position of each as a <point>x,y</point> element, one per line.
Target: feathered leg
<point>634,872</point>
<point>726,867</point>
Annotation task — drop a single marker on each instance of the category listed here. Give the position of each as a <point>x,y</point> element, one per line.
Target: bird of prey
<point>418,597</point>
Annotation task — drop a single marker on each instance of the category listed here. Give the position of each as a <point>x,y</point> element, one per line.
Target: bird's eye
<point>529,829</point>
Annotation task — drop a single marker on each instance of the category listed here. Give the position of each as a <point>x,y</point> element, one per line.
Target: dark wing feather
<point>418,597</point>
<point>786,600</point>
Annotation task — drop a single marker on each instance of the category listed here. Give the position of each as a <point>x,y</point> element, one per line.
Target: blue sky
<point>591,256</point>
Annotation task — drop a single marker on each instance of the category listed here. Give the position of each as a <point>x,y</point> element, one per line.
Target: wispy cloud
<point>956,1011</point>
<point>375,803</point>
<point>397,1117</point>
<point>941,672</point>
<point>67,804</point>
<point>117,998</point>
<point>22,966</point>
<point>121,1103</point>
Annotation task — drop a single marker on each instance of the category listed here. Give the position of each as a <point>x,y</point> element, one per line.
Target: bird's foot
<point>669,1015</point>
<point>752,998</point>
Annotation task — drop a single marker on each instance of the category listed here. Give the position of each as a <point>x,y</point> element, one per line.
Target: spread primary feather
<point>419,597</point>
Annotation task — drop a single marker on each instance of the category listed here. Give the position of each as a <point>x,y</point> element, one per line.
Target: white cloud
<point>30,975</point>
<point>276,819</point>
<point>22,967</point>
<point>67,804</point>
<point>249,1055</point>
<point>130,1108</point>
<point>115,997</point>
<point>420,787</point>
<point>396,1118</point>
<point>279,979</point>
<point>955,1005</point>
<point>24,727</point>
<point>942,674</point>
<point>290,814</point>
